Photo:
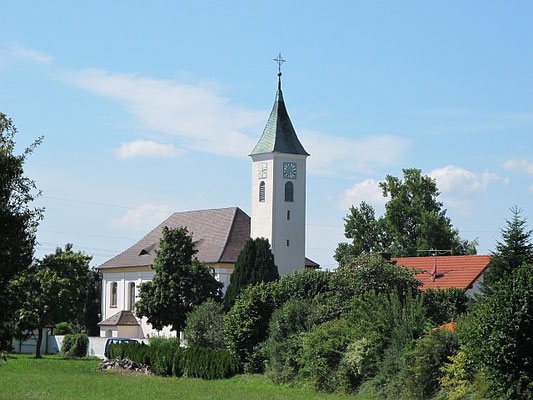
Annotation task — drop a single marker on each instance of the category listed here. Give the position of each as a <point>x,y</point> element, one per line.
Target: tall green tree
<point>414,220</point>
<point>497,334</point>
<point>180,282</point>
<point>88,321</point>
<point>18,221</point>
<point>514,249</point>
<point>255,264</point>
<point>55,289</point>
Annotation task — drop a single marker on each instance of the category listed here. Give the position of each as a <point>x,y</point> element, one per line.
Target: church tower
<point>278,188</point>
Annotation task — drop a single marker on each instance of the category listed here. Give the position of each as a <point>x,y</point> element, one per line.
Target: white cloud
<point>146,216</point>
<point>32,55</point>
<point>522,164</point>
<point>147,149</point>
<point>211,123</point>
<point>206,121</point>
<point>331,154</point>
<point>457,185</point>
<point>367,190</point>
<point>452,178</point>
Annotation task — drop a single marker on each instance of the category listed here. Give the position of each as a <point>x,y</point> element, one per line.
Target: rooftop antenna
<point>279,59</point>
<point>434,253</point>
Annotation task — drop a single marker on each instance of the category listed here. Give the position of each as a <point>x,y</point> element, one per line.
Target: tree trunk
<point>39,341</point>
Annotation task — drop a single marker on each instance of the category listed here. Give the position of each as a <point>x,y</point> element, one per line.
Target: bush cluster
<point>75,345</point>
<point>167,358</point>
<point>63,328</point>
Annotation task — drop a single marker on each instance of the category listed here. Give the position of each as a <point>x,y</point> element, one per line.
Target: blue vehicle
<point>117,340</point>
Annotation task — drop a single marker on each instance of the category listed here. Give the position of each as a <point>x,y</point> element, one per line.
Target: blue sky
<point>150,108</point>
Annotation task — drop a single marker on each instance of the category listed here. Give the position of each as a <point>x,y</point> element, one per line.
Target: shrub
<point>445,305</point>
<point>371,272</point>
<point>357,363</point>
<point>322,350</point>
<point>63,328</point>
<point>75,345</point>
<point>285,339</point>
<point>423,368</point>
<point>166,358</point>
<point>391,326</point>
<point>246,324</point>
<point>204,325</point>
<point>459,380</point>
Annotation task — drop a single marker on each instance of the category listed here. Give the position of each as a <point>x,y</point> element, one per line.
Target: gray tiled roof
<point>123,317</point>
<point>219,236</point>
<point>279,134</point>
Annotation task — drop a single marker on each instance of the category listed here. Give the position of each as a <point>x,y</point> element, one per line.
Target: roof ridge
<point>206,209</point>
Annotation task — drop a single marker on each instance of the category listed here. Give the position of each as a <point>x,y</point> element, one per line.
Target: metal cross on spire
<point>279,59</point>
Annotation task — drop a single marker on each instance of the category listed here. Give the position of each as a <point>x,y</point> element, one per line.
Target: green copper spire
<point>279,134</point>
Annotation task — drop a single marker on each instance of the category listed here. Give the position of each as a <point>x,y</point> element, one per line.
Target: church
<point>278,190</point>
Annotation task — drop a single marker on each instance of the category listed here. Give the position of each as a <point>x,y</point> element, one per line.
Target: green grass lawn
<point>52,377</point>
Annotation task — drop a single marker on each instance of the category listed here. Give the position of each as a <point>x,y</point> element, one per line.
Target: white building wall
<point>269,218</point>
<point>476,286</point>
<point>123,280</point>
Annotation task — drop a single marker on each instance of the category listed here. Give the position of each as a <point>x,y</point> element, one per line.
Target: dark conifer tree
<point>255,264</point>
<point>515,249</point>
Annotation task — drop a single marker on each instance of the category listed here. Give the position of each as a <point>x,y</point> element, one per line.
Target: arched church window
<point>132,296</point>
<point>262,191</point>
<point>114,293</point>
<point>289,191</point>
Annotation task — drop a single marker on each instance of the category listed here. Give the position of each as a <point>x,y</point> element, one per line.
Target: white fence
<point>52,344</point>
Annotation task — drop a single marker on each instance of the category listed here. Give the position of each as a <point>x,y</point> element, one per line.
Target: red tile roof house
<point>465,272</point>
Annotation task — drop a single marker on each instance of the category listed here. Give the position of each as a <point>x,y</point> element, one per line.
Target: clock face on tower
<point>289,170</point>
<point>262,170</point>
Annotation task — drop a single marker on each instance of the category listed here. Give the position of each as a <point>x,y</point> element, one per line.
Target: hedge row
<point>171,360</point>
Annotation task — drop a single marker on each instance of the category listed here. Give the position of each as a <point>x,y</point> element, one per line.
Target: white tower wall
<point>270,219</point>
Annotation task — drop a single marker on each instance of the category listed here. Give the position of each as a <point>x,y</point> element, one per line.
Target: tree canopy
<point>414,220</point>
<point>18,220</point>
<point>514,249</point>
<point>55,290</point>
<point>180,282</point>
<point>255,264</point>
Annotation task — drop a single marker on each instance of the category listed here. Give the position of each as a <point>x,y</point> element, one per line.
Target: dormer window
<point>289,192</point>
<point>262,192</point>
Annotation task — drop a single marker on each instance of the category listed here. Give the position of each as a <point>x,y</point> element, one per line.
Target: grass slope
<point>55,378</point>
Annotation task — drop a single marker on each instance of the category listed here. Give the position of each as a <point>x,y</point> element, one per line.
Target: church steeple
<point>278,188</point>
<point>279,134</point>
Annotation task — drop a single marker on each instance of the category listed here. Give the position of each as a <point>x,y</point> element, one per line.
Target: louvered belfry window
<point>289,192</point>
<point>262,192</point>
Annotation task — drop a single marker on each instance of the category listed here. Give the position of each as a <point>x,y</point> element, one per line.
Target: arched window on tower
<point>262,191</point>
<point>289,192</point>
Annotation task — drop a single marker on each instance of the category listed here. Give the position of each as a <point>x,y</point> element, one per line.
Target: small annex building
<point>465,272</point>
